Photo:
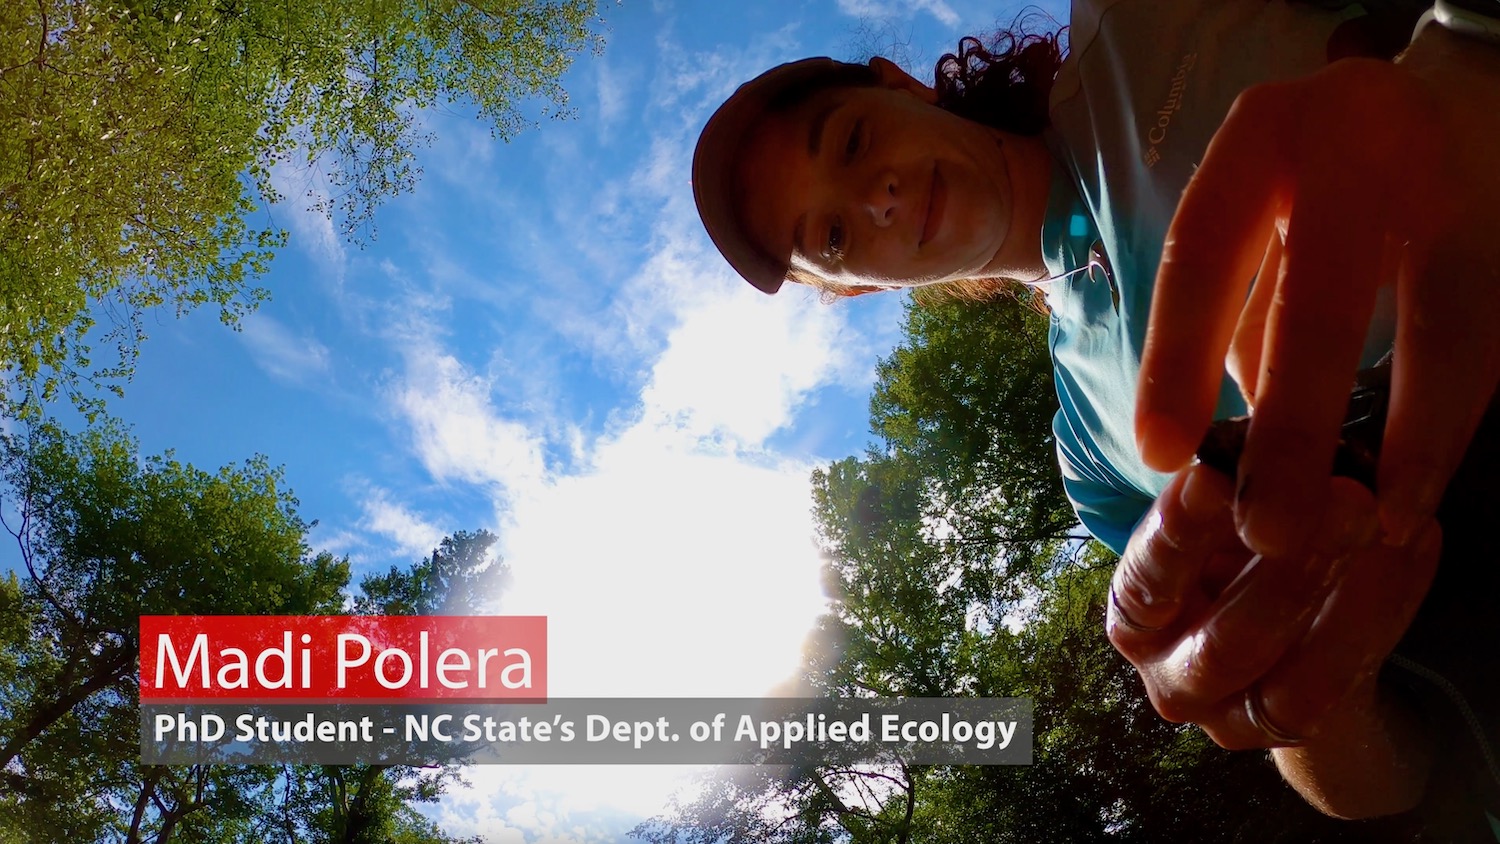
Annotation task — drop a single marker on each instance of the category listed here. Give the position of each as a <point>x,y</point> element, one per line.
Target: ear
<point>892,76</point>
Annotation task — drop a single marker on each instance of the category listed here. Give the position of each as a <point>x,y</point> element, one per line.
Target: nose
<point>880,199</point>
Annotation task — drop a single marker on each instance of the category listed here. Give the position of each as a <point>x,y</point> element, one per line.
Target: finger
<point>1266,611</point>
<point>1233,727</point>
<point>1365,616</point>
<point>1222,569</point>
<point>1442,380</point>
<point>1315,334</point>
<point>1213,247</point>
<point>1245,350</point>
<point>1191,522</point>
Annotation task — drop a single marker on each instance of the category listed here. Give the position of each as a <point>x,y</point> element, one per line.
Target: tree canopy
<point>104,536</point>
<point>137,137</point>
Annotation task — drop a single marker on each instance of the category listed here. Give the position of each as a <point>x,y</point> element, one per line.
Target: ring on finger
<point>1255,711</point>
<point>1124,617</point>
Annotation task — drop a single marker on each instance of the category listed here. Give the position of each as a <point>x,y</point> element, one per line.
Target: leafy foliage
<point>970,397</point>
<point>374,803</point>
<point>353,804</point>
<point>136,137</point>
<point>460,577</point>
<point>106,536</point>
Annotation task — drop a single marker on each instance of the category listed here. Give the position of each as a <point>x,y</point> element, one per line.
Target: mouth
<point>937,198</point>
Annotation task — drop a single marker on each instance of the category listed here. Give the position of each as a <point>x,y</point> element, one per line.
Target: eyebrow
<point>815,131</point>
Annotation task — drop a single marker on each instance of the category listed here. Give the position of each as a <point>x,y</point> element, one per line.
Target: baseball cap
<point>717,153</point>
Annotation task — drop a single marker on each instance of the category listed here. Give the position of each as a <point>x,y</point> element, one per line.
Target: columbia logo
<point>1157,134</point>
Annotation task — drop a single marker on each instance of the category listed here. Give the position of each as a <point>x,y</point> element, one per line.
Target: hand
<point>1296,636</point>
<point>1373,174</point>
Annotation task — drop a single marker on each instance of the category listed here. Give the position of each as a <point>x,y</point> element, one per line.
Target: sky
<point>542,342</point>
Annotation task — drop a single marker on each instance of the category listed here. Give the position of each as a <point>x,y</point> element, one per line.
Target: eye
<point>851,147</point>
<point>835,240</point>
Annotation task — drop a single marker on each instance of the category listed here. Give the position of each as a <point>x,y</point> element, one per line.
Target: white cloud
<point>878,9</point>
<point>458,433</point>
<point>674,554</point>
<point>676,558</point>
<point>461,148</point>
<point>678,519</point>
<point>282,353</point>
<point>414,536</point>
<point>690,84</point>
<point>667,571</point>
<point>312,231</point>
<point>738,365</point>
<point>614,85</point>
<point>571,804</point>
<point>344,542</point>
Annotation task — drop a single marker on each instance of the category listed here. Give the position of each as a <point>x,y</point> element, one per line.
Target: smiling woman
<point>851,179</point>
<point>1066,174</point>
<point>890,191</point>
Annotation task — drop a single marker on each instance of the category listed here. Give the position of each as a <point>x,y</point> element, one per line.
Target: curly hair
<point>1005,85</point>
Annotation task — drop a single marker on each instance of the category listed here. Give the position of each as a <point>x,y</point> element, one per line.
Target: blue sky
<point>542,342</point>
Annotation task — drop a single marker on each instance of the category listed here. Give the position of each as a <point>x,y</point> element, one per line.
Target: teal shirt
<point>1095,339</point>
<point>1142,92</point>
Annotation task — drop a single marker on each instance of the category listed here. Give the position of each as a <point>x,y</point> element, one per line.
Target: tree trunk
<point>360,821</point>
<point>147,789</point>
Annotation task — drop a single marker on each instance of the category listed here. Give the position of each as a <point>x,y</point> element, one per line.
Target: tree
<point>460,577</point>
<point>368,804</point>
<point>969,395</point>
<point>352,804</point>
<point>136,138</point>
<point>105,537</point>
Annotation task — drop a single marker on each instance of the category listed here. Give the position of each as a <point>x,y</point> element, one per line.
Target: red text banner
<point>311,658</point>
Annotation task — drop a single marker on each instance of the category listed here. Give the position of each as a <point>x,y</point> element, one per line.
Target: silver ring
<point>1255,711</point>
<point>1124,617</point>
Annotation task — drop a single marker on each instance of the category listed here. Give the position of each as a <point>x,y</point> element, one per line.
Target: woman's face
<point>877,186</point>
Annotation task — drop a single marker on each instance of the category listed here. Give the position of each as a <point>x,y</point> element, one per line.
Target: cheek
<point>980,213</point>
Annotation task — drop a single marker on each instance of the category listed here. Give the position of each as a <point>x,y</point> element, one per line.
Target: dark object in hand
<point>1358,455</point>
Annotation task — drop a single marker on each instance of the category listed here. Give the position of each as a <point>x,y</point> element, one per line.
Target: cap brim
<point>714,160</point>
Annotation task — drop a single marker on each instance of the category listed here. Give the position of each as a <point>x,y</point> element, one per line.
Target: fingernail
<point>1160,440</point>
<point>1261,530</point>
<point>1401,516</point>
<point>1273,528</point>
<point>1348,523</point>
<point>1204,491</point>
<point>1242,511</point>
